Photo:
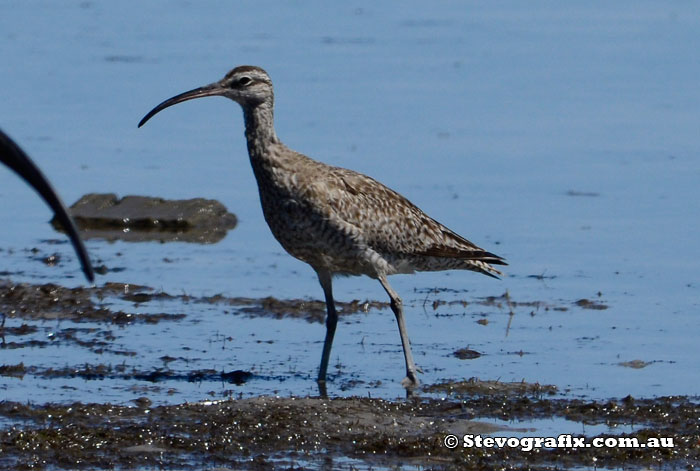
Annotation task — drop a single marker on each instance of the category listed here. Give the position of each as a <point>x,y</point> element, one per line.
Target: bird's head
<point>247,85</point>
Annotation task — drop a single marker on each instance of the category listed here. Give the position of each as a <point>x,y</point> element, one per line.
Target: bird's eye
<point>244,80</point>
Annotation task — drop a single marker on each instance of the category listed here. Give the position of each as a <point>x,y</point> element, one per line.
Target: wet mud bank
<point>91,304</point>
<point>265,432</point>
<point>315,433</point>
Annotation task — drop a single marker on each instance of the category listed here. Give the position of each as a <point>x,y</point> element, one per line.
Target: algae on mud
<point>262,432</point>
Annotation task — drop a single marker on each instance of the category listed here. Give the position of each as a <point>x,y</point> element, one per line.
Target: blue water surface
<point>564,136</point>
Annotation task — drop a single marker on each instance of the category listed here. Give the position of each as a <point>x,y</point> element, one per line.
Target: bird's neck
<point>259,128</point>
<point>262,143</point>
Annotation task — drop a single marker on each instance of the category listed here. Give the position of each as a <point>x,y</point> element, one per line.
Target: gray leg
<point>331,321</point>
<point>411,379</point>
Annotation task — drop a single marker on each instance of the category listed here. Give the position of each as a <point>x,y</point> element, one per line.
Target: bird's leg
<point>331,321</point>
<point>411,379</point>
<point>2,329</point>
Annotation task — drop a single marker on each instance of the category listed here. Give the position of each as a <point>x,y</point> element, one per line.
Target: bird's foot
<point>410,382</point>
<point>322,388</point>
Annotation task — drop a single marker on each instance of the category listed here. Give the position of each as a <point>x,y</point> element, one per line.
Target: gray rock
<point>143,218</point>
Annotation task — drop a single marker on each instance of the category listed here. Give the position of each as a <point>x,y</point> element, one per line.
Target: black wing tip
<point>488,257</point>
<point>63,218</point>
<point>88,270</point>
<point>494,261</point>
<point>85,263</point>
<point>12,155</point>
<point>89,274</point>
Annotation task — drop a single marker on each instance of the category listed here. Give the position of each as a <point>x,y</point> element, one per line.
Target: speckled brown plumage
<point>347,223</point>
<point>338,221</point>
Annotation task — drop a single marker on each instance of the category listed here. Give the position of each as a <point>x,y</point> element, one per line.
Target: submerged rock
<point>144,218</point>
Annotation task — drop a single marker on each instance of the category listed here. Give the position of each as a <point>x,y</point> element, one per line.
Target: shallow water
<point>560,136</point>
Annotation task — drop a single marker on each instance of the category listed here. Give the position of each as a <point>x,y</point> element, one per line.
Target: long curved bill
<point>15,158</point>
<point>214,89</point>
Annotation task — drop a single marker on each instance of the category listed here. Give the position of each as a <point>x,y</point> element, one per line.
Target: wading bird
<point>15,158</point>
<point>338,221</point>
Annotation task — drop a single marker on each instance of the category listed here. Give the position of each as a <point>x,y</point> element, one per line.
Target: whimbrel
<point>338,221</point>
<point>15,158</point>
